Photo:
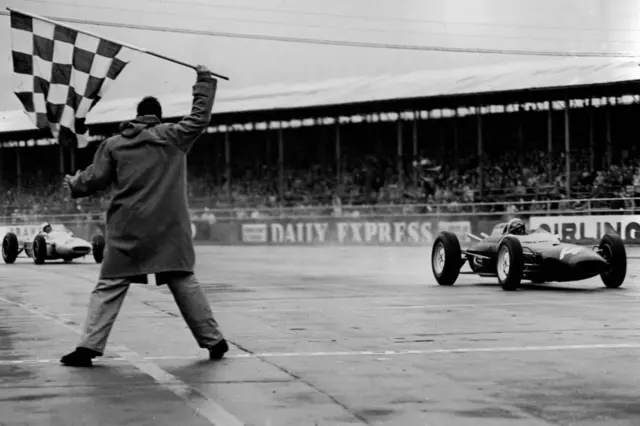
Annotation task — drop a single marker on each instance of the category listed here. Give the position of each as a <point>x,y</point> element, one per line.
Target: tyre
<point>10,247</point>
<point>446,258</point>
<point>613,251</point>
<point>510,263</point>
<point>97,248</point>
<point>39,249</point>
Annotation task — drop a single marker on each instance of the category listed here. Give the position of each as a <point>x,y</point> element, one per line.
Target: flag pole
<point>139,49</point>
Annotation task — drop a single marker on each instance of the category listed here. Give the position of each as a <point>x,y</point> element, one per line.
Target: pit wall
<point>374,231</point>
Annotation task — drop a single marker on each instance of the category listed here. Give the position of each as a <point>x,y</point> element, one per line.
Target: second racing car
<point>51,244</point>
<point>512,254</point>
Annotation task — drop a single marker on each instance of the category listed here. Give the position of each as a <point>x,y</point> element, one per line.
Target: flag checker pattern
<point>60,74</point>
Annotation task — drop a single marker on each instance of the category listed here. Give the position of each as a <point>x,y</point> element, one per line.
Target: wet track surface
<point>325,336</point>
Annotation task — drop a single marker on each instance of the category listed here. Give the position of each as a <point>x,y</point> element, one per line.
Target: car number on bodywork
<point>569,251</point>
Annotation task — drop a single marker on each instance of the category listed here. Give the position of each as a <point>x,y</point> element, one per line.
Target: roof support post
<point>72,156</point>
<point>18,168</point>
<point>592,144</point>
<point>268,155</point>
<point>399,143</point>
<point>218,163</point>
<point>227,163</point>
<point>61,159</point>
<point>338,151</point>
<point>550,140</point>
<point>480,152</point>
<point>607,117</point>
<point>567,145</point>
<point>414,141</point>
<point>456,142</point>
<point>281,164</point>
<point>521,113</point>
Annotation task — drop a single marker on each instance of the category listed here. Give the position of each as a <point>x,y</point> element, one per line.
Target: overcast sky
<point>549,25</point>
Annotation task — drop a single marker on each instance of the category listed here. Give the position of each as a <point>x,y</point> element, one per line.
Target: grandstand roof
<point>513,77</point>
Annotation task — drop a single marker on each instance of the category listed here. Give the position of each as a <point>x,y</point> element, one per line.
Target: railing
<point>56,205</point>
<point>522,208</point>
<point>490,196</point>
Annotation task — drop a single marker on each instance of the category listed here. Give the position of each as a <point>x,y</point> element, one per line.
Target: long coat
<point>148,228</point>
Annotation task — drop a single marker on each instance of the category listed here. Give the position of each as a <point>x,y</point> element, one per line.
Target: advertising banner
<point>459,227</point>
<point>411,230</point>
<point>23,232</point>
<point>85,230</point>
<point>218,233</point>
<point>380,230</point>
<point>589,229</point>
<point>28,231</point>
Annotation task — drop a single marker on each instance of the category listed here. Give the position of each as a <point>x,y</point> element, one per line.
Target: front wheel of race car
<point>97,248</point>
<point>10,247</point>
<point>39,249</point>
<point>446,258</point>
<point>613,251</point>
<point>510,263</point>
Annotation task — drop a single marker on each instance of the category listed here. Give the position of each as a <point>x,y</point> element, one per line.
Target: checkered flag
<point>60,74</point>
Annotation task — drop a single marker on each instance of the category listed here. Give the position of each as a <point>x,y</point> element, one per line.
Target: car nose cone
<point>590,262</point>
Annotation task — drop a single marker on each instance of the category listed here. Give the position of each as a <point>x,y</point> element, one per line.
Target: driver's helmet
<point>46,227</point>
<point>516,227</point>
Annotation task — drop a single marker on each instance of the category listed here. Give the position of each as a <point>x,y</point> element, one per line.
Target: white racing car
<point>51,244</point>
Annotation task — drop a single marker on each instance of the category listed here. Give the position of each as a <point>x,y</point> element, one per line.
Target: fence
<point>572,207</point>
<point>375,224</point>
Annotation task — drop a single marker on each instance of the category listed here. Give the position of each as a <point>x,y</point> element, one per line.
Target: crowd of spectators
<point>511,182</point>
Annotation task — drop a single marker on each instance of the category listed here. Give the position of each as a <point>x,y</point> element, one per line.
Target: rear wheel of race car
<point>39,249</point>
<point>446,258</point>
<point>97,248</point>
<point>510,263</point>
<point>10,247</point>
<point>613,251</point>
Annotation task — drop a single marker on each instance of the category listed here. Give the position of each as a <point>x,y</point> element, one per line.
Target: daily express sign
<point>377,232</point>
<point>589,229</point>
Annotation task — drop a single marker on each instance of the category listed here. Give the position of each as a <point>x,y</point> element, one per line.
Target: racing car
<point>50,244</point>
<point>512,254</point>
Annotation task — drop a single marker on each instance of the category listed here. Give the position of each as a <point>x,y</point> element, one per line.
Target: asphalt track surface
<point>325,336</point>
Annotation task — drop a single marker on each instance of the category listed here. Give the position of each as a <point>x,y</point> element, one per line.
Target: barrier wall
<point>413,230</point>
<point>407,230</point>
<point>85,230</point>
<point>421,230</point>
<point>589,229</point>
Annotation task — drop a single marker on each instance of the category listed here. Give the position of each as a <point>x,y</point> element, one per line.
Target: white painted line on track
<point>203,405</point>
<point>362,353</point>
<point>159,313</point>
<point>79,315</point>
<point>627,299</point>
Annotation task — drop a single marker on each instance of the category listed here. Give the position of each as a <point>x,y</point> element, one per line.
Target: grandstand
<point>540,134</point>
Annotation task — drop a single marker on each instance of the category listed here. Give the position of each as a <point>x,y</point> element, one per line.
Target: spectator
<point>367,180</point>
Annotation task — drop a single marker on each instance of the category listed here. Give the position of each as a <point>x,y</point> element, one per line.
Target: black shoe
<point>218,350</point>
<point>81,357</point>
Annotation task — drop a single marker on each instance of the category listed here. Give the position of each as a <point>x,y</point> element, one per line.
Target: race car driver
<point>516,227</point>
<point>46,228</point>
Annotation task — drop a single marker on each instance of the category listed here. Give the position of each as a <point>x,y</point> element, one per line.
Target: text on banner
<point>589,228</point>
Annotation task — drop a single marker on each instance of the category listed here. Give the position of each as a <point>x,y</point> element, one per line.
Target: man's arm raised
<point>185,133</point>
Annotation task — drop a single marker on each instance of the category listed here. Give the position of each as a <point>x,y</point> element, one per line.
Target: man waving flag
<point>61,73</point>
